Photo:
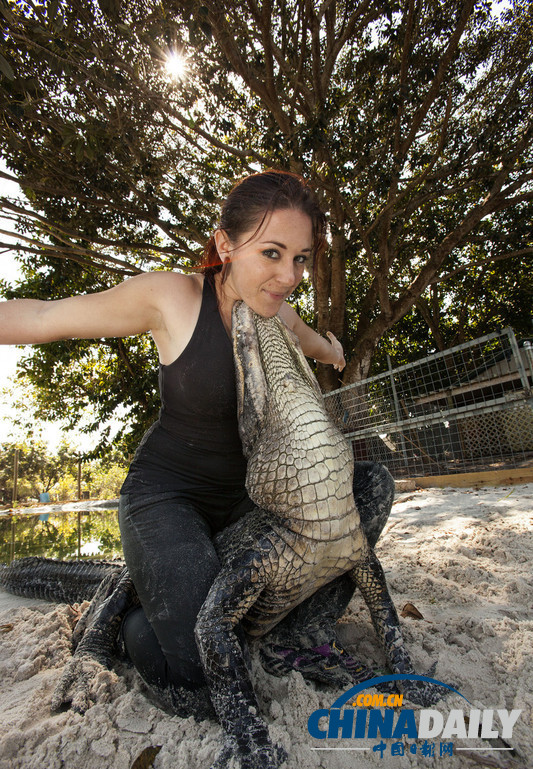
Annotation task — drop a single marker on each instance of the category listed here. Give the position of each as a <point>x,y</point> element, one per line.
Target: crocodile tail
<point>54,580</point>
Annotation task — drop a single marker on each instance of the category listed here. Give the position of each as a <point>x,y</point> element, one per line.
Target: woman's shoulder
<point>167,280</point>
<point>178,298</point>
<point>166,286</point>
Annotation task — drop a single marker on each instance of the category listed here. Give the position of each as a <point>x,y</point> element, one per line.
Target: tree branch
<point>481,263</point>
<point>433,91</point>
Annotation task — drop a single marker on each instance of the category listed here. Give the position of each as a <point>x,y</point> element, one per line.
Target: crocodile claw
<point>266,756</point>
<point>77,686</point>
<point>424,693</point>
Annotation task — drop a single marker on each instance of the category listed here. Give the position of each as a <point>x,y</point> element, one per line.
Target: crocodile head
<point>269,364</point>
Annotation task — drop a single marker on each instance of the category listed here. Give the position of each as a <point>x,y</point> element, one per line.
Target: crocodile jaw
<point>300,466</point>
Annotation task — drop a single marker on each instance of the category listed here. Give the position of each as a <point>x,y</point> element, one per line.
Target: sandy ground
<point>462,557</point>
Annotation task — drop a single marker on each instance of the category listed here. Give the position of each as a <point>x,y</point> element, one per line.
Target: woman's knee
<point>179,668</point>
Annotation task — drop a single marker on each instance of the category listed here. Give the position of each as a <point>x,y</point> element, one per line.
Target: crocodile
<point>290,567</point>
<point>50,579</point>
<point>303,548</point>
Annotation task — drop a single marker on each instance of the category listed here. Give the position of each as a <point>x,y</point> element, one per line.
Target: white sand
<point>463,557</point>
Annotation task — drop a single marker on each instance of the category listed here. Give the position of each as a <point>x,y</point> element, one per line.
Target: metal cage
<point>466,409</point>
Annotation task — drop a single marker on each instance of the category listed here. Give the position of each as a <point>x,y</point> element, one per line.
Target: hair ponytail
<point>211,261</point>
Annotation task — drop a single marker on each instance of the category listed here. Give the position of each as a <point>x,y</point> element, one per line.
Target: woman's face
<point>267,267</point>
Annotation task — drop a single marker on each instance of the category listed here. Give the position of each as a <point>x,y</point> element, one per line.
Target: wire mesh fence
<point>465,409</point>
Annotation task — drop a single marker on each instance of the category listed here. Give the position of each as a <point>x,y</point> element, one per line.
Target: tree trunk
<point>358,367</point>
<point>330,293</point>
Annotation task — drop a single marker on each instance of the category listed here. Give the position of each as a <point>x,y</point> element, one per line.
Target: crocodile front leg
<point>370,579</point>
<point>95,643</point>
<point>235,590</point>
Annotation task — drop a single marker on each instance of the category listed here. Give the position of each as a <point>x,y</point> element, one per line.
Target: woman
<point>186,481</point>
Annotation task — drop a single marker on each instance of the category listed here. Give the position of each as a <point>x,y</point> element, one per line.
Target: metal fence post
<point>397,407</point>
<point>528,347</point>
<point>12,542</point>
<point>519,364</point>
<point>15,476</point>
<point>79,477</point>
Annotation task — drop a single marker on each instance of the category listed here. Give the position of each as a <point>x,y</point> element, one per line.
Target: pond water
<point>65,535</point>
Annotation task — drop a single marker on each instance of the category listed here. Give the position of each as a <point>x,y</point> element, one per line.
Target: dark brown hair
<point>252,200</point>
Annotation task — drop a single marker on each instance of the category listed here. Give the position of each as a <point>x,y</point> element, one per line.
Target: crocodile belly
<point>302,571</point>
<point>303,475</point>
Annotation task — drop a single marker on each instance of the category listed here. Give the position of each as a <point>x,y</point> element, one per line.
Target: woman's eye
<point>273,253</point>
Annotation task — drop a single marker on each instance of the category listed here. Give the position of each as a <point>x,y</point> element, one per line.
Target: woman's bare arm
<point>314,345</point>
<point>132,307</point>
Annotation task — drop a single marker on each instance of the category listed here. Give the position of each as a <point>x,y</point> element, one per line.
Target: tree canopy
<point>413,119</point>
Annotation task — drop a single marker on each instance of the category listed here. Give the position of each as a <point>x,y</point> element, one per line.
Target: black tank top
<point>194,449</point>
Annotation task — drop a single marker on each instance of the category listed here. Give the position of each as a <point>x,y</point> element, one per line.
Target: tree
<point>412,118</point>
<point>38,470</point>
<point>471,302</point>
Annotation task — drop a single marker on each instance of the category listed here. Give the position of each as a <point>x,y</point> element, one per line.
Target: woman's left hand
<point>339,363</point>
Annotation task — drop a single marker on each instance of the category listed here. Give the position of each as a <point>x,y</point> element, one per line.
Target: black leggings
<point>170,555</point>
